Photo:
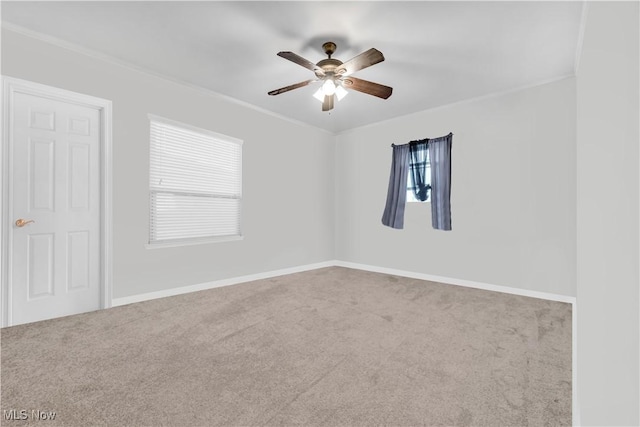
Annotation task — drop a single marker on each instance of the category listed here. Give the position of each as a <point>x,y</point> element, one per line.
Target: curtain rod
<point>425,139</point>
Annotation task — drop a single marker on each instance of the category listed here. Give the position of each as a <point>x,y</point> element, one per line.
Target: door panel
<point>79,177</point>
<point>40,265</point>
<point>55,182</point>
<point>78,259</point>
<point>42,155</point>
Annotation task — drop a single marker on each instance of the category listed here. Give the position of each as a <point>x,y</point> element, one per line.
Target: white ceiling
<point>436,52</point>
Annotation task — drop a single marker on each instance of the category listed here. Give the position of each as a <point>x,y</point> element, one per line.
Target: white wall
<point>520,180</point>
<point>607,215</point>
<point>513,192</point>
<point>287,169</point>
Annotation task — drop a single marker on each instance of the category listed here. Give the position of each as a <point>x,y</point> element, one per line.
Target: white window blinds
<point>195,183</point>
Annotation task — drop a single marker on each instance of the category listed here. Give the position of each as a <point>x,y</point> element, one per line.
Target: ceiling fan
<point>336,75</point>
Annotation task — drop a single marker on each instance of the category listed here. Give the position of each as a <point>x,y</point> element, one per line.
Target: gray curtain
<point>393,215</point>
<point>440,158</point>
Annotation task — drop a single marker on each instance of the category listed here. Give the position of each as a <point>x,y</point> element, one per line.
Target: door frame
<point>11,86</point>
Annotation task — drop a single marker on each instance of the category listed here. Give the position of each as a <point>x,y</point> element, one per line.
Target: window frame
<point>189,241</point>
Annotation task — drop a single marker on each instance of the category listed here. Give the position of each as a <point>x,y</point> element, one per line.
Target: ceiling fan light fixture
<point>339,93</point>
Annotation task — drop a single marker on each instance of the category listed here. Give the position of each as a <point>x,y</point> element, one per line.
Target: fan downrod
<point>329,48</point>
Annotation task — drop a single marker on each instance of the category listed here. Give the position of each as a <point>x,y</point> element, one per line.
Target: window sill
<point>178,244</point>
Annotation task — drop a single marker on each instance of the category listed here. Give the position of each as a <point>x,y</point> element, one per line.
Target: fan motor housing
<point>328,65</point>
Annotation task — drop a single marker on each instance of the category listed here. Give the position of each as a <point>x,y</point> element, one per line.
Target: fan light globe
<point>329,87</point>
<point>341,92</point>
<point>319,95</point>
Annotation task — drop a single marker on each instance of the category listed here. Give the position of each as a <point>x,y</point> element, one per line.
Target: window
<point>195,184</point>
<point>411,195</point>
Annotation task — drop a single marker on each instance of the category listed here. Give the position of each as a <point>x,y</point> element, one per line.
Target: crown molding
<point>489,95</point>
<point>73,47</point>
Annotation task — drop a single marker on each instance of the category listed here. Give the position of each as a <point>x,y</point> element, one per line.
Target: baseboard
<point>458,282</point>
<point>217,283</point>
<point>337,263</point>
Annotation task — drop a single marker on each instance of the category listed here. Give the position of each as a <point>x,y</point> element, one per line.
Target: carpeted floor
<point>332,346</point>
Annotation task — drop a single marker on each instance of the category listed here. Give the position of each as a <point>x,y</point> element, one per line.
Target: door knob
<point>22,222</point>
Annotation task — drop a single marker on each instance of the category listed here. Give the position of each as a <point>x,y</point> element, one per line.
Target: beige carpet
<point>333,346</point>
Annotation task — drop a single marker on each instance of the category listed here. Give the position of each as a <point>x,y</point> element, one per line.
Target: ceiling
<point>436,53</point>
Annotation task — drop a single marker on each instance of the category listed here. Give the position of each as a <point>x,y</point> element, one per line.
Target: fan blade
<point>290,87</point>
<point>301,61</point>
<point>370,88</point>
<point>364,60</point>
<point>328,103</point>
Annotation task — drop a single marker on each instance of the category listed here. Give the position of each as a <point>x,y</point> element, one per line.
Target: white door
<point>54,209</point>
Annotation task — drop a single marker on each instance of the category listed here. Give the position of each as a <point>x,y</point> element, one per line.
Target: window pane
<point>411,197</point>
<point>410,188</point>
